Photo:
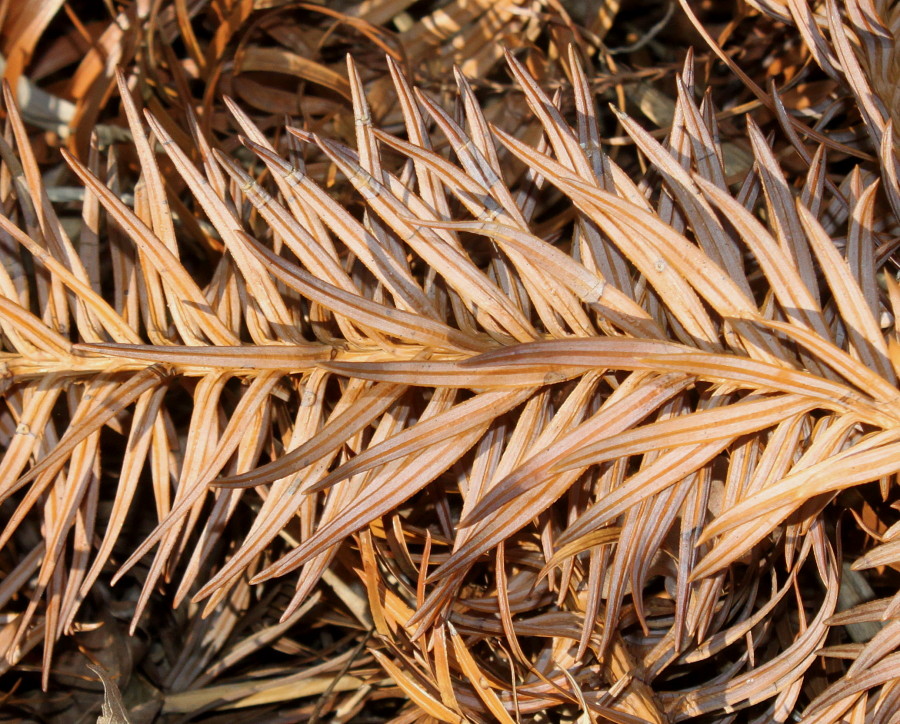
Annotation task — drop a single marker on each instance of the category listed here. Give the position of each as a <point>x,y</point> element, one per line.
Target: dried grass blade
<point>806,23</point>
<point>161,216</point>
<point>255,58</point>
<point>630,404</point>
<point>880,555</point>
<point>193,484</point>
<point>281,504</point>
<point>862,328</point>
<point>637,354</point>
<point>876,455</point>
<point>51,227</point>
<point>829,435</point>
<point>416,692</point>
<point>797,300</point>
<point>594,539</point>
<point>666,470</point>
<point>652,247</point>
<point>889,167</point>
<point>201,438</point>
<point>370,161</point>
<point>596,352</point>
<point>396,322</point>
<point>303,214</point>
<point>671,256</point>
<point>860,251</point>
<point>881,645</point>
<point>561,269</point>
<point>870,106</point>
<point>455,266</point>
<point>362,242</point>
<point>418,136</point>
<point>644,529</point>
<point>72,487</point>
<point>371,404</point>
<point>718,641</point>
<point>769,679</point>
<point>762,376</point>
<point>757,91</point>
<point>884,672</point>
<point>862,377</point>
<point>476,678</point>
<point>139,439</point>
<point>310,251</point>
<point>562,139</point>
<point>164,262</point>
<point>264,292</point>
<point>707,151</point>
<point>713,239</point>
<point>612,264</point>
<point>118,397</point>
<point>92,301</point>
<point>392,490</point>
<point>36,402</point>
<point>740,418</point>
<point>482,205</point>
<point>491,199</point>
<point>47,340</point>
<point>447,257</point>
<point>783,212</point>
<point>473,412</point>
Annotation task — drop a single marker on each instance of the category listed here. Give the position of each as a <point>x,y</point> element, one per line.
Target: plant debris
<point>449,361</point>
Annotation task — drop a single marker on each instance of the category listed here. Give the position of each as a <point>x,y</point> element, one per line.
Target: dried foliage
<point>433,406</point>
